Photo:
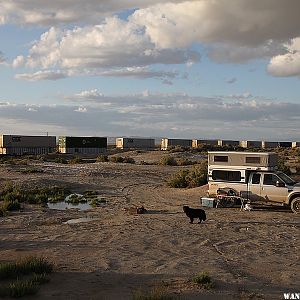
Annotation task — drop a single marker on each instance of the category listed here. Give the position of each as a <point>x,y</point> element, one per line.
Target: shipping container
<point>285,144</point>
<point>268,145</point>
<point>295,144</point>
<point>251,144</point>
<point>197,143</point>
<point>82,145</point>
<point>228,143</point>
<point>135,143</point>
<point>170,143</point>
<point>24,144</point>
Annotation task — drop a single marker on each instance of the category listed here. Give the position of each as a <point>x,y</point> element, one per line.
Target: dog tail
<point>204,216</point>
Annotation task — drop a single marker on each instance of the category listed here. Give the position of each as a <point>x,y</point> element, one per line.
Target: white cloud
<point>148,114</point>
<point>156,32</point>
<point>242,22</point>
<point>57,12</point>
<point>287,64</point>
<point>114,48</point>
<point>41,75</point>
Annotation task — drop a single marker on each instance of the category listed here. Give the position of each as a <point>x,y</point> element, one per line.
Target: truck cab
<point>253,176</point>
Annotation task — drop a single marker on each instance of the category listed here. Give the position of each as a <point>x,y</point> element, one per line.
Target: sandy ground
<point>250,255</point>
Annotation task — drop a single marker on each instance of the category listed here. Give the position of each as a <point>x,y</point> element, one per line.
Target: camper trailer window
<point>226,175</point>
<point>219,158</point>
<point>252,160</point>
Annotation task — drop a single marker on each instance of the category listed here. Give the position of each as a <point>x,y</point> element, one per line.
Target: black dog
<point>194,213</point>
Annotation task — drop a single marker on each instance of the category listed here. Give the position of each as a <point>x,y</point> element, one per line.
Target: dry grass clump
<point>23,277</point>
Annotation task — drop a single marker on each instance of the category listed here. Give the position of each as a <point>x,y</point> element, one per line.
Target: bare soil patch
<point>249,255</point>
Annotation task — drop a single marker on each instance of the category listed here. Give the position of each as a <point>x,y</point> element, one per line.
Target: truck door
<point>255,186</point>
<point>271,192</point>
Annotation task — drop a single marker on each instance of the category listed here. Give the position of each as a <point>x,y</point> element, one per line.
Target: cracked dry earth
<point>249,255</point>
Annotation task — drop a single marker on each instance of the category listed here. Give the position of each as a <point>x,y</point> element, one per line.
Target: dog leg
<point>199,221</point>
<point>192,220</point>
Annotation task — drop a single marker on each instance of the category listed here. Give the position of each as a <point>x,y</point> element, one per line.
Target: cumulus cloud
<point>114,48</point>
<point>242,22</point>
<point>148,114</point>
<point>157,32</point>
<point>58,12</point>
<point>287,64</point>
<point>41,75</point>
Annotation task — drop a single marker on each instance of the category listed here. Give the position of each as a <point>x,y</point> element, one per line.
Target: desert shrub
<point>174,149</point>
<point>283,167</point>
<point>178,180</point>
<point>185,162</point>
<point>128,160</point>
<point>11,205</point>
<point>102,158</point>
<point>33,196</point>
<point>121,159</point>
<point>204,280</point>
<point>168,161</point>
<point>60,160</point>
<point>197,176</point>
<point>76,160</point>
<point>193,177</point>
<point>116,159</point>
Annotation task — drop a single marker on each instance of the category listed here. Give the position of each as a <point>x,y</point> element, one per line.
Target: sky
<point>211,69</point>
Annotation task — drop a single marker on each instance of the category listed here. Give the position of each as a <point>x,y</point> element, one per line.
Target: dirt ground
<point>249,255</point>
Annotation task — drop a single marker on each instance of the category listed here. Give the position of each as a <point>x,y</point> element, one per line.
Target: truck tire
<point>295,205</point>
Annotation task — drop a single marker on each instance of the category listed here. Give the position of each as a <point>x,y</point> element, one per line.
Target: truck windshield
<point>288,180</point>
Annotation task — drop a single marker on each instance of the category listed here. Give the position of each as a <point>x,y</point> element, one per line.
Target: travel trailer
<point>253,176</point>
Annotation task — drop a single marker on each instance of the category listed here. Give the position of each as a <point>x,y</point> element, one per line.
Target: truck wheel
<point>295,205</point>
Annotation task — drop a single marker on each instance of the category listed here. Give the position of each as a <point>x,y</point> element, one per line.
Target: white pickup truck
<point>253,176</point>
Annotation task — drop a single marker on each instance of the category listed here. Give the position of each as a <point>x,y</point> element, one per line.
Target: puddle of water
<point>65,205</point>
<point>81,220</point>
<point>85,204</point>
